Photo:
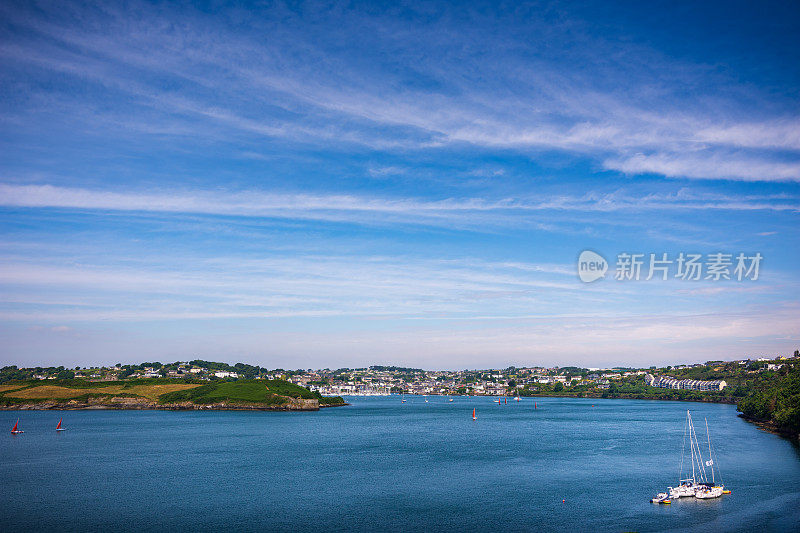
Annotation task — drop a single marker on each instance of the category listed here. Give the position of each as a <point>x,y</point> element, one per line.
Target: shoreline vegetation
<point>165,394</point>
<point>768,398</point>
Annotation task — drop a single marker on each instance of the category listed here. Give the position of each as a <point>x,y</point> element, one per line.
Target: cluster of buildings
<point>375,381</point>
<point>385,380</point>
<point>667,382</point>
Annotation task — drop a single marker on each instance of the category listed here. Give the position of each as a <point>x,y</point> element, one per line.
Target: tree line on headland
<point>776,401</point>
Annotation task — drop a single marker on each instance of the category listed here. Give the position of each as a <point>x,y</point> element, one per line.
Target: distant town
<point>711,376</point>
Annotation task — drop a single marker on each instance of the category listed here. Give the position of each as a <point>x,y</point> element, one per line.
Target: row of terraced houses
<point>667,382</point>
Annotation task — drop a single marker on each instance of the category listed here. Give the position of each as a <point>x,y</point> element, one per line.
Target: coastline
<point>771,427</point>
<point>138,404</point>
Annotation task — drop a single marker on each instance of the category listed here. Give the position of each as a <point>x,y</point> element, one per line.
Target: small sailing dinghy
<point>15,430</point>
<point>473,414</point>
<point>58,427</point>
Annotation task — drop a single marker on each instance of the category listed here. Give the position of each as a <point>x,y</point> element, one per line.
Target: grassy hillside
<point>268,393</point>
<point>271,392</point>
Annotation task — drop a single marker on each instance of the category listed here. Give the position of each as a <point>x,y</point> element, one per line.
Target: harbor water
<point>544,464</point>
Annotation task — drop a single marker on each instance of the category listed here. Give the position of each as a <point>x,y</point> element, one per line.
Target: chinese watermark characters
<point>683,266</point>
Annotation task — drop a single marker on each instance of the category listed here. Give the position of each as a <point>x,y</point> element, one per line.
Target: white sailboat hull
<point>683,491</point>
<point>706,493</point>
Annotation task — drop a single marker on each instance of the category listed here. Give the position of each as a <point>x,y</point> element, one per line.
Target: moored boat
<point>697,485</point>
<point>661,497</point>
<point>708,490</point>
<point>686,489</point>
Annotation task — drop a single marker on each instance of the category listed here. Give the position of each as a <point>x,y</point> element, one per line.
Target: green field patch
<point>284,388</point>
<point>232,391</point>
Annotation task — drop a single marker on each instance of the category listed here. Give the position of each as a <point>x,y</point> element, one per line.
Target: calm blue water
<point>383,465</point>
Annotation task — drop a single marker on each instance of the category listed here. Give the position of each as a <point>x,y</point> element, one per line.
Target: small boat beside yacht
<point>662,498</point>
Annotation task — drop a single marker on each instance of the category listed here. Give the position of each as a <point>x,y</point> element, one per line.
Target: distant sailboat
<point>58,427</point>
<point>14,430</point>
<point>473,414</point>
<point>506,401</point>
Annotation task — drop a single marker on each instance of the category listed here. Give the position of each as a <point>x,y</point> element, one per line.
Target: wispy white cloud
<point>381,171</point>
<point>706,166</point>
<point>213,101</point>
<point>527,101</point>
<point>354,208</point>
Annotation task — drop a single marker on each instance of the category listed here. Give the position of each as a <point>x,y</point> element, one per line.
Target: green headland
<point>274,394</point>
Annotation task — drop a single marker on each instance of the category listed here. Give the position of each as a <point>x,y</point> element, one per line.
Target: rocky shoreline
<point>771,427</point>
<point>129,403</point>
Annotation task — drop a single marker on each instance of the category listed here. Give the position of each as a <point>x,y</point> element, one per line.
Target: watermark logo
<point>591,266</point>
<point>683,266</point>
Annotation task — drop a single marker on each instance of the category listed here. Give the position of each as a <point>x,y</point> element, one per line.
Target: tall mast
<point>696,449</point>
<point>691,442</point>
<point>708,436</point>
<point>683,450</point>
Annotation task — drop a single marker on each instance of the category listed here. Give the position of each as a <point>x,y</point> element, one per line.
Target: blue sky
<point>326,185</point>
